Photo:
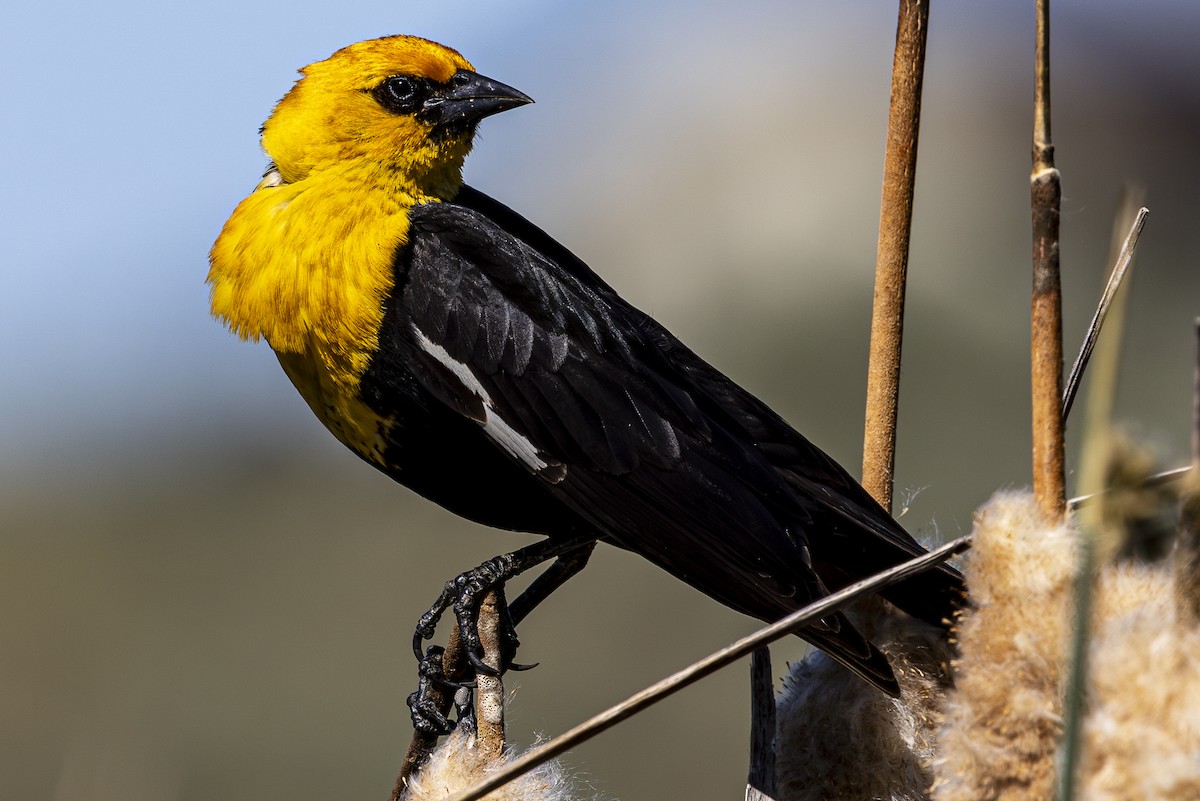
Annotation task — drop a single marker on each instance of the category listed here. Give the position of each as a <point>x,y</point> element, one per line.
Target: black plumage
<point>528,395</point>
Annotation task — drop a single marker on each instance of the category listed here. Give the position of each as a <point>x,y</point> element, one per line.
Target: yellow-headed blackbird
<point>461,350</point>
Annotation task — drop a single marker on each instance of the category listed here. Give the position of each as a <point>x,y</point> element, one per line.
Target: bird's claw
<point>464,593</point>
<point>418,643</point>
<point>481,666</point>
<point>427,718</point>
<point>427,624</point>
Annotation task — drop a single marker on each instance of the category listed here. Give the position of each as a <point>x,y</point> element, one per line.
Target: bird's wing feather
<point>631,429</point>
<point>525,341</point>
<point>564,377</point>
<point>853,535</point>
<point>575,385</point>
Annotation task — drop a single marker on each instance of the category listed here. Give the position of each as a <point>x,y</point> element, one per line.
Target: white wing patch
<point>512,441</point>
<point>460,370</point>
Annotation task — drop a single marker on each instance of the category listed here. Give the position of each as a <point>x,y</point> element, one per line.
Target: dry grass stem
<point>1123,260</point>
<point>891,265</point>
<point>1103,530</point>
<point>1098,456</point>
<point>1155,480</point>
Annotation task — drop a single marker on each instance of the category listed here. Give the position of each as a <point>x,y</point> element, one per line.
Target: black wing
<point>853,536</point>
<point>624,425</point>
<point>569,385</point>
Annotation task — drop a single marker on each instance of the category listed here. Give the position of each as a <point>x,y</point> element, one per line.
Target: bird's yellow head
<point>307,259</point>
<point>401,103</point>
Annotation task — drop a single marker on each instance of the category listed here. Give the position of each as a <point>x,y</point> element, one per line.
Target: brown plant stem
<point>1046,319</point>
<point>489,690</point>
<point>454,666</point>
<point>891,262</point>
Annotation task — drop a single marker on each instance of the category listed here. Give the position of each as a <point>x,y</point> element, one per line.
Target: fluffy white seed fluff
<point>457,764</point>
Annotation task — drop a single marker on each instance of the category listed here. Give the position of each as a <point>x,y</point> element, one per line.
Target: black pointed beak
<point>470,98</point>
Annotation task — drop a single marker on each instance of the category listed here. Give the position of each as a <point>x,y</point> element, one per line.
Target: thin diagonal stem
<point>1177,474</point>
<point>1124,259</point>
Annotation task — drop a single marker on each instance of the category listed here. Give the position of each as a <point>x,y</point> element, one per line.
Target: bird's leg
<point>465,593</point>
<point>430,703</point>
<point>553,577</point>
<point>549,580</point>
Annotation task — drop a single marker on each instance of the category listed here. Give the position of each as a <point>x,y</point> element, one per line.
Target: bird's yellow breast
<point>307,266</point>
<point>306,261</point>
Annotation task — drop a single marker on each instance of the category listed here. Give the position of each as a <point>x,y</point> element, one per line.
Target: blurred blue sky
<point>130,133</point>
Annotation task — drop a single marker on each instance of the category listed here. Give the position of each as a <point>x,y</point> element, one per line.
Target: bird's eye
<point>400,94</point>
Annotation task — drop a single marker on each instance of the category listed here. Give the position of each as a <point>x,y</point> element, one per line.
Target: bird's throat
<point>307,266</point>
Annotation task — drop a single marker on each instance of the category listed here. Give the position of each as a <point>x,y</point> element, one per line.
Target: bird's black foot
<point>427,718</point>
<point>464,593</point>
<point>429,704</point>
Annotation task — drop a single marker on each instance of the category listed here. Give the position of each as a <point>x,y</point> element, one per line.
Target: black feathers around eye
<point>401,94</point>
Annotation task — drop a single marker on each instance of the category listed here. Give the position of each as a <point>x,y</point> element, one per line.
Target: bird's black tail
<point>879,543</point>
<point>845,644</point>
<point>932,596</point>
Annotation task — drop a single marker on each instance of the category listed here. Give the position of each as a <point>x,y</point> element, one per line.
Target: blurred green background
<point>204,596</point>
